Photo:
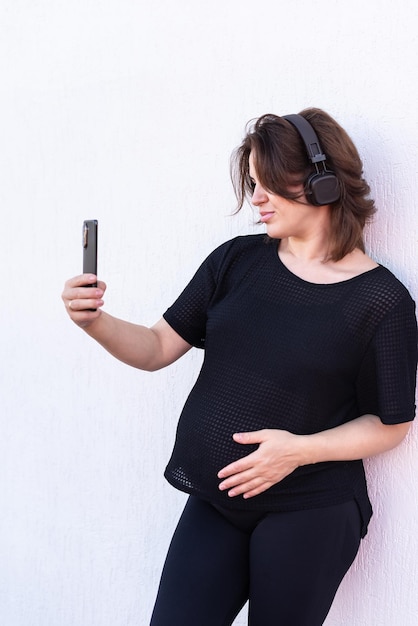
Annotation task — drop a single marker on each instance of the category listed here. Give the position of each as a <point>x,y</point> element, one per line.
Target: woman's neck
<point>315,249</point>
<point>308,260</point>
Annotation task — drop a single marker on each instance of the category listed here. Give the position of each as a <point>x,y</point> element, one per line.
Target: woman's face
<point>283,217</point>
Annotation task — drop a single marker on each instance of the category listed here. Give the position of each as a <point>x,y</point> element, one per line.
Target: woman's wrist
<point>308,449</point>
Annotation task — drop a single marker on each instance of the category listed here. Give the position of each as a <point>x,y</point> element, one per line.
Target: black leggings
<point>288,565</point>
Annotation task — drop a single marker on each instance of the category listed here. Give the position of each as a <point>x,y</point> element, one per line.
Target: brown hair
<point>282,163</point>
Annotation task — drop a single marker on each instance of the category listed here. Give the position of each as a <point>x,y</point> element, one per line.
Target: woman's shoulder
<point>386,278</point>
<point>375,274</point>
<point>239,245</point>
<point>245,241</point>
<point>384,292</point>
<point>237,255</point>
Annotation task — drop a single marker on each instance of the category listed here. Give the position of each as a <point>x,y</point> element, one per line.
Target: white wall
<point>127,111</point>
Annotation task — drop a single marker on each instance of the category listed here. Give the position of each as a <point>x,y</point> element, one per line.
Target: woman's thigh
<point>297,561</point>
<point>205,576</point>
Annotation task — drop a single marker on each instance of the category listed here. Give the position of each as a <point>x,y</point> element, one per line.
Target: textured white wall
<point>127,111</point>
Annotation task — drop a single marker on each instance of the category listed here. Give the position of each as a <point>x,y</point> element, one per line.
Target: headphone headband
<point>309,137</point>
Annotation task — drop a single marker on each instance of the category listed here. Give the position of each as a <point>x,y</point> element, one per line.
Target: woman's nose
<point>259,195</point>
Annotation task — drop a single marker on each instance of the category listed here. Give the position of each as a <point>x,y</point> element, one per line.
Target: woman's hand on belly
<point>279,453</point>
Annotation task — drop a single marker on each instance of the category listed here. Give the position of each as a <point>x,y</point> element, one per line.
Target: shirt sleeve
<point>188,315</point>
<point>387,379</point>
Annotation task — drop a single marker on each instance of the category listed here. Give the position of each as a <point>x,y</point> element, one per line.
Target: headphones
<point>321,187</point>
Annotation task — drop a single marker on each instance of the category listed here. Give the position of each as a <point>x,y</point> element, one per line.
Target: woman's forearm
<point>363,437</point>
<point>139,346</point>
<point>134,345</point>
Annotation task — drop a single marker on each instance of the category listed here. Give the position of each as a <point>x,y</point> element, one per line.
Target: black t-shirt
<point>281,352</point>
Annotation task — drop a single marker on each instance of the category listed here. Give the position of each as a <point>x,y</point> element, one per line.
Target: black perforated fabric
<point>284,353</point>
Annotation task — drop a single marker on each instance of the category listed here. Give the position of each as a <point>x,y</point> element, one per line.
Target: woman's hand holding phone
<point>83,302</point>
<point>83,294</point>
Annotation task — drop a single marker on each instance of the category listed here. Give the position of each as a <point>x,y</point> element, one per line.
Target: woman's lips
<point>264,217</point>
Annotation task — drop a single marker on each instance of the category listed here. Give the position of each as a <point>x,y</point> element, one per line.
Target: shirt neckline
<point>275,249</point>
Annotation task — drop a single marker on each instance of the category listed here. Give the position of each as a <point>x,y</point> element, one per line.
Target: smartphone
<point>90,248</point>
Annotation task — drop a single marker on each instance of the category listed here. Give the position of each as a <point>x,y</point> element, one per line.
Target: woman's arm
<point>139,346</point>
<point>280,452</point>
<point>359,439</point>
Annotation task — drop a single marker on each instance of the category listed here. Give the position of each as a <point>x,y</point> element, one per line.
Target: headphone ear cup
<point>322,188</point>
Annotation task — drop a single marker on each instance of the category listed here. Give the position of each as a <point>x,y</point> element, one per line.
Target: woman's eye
<point>252,184</point>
